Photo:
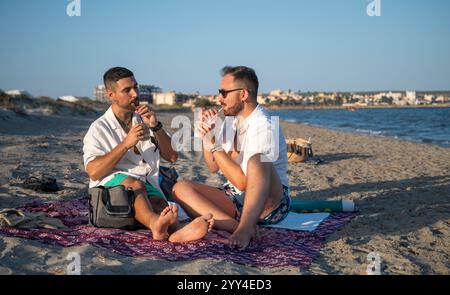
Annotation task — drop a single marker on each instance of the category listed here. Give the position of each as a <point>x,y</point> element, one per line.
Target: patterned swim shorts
<point>274,217</point>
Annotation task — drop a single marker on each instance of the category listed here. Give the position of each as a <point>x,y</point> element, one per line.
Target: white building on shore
<point>70,98</point>
<point>410,95</point>
<point>170,98</point>
<point>146,93</point>
<point>16,93</point>
<point>442,99</point>
<point>100,93</point>
<point>429,98</point>
<point>261,99</point>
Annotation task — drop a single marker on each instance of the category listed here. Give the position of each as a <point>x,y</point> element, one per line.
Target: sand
<point>401,188</point>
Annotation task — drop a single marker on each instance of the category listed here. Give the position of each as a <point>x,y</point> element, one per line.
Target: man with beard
<point>251,154</point>
<point>118,152</point>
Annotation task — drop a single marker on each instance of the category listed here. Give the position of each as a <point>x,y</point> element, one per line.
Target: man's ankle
<point>245,227</point>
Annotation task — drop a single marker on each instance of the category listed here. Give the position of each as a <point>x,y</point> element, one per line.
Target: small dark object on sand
<point>316,161</point>
<point>42,183</point>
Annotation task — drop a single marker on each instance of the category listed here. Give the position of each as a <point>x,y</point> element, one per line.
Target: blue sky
<point>316,45</point>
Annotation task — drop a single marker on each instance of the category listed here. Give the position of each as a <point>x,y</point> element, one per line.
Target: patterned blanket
<point>277,248</point>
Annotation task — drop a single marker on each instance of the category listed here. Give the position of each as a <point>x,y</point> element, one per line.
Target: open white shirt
<point>104,135</point>
<point>258,134</point>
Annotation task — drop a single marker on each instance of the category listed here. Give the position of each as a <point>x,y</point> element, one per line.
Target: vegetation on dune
<point>47,105</point>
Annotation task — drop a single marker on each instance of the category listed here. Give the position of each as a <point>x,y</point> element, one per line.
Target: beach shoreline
<point>402,189</point>
<point>356,107</point>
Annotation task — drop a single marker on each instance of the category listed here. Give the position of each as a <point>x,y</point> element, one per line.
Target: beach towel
<point>277,247</point>
<point>301,221</point>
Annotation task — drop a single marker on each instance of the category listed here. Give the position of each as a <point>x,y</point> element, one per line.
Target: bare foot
<point>174,209</point>
<point>160,226</point>
<point>195,230</point>
<point>242,236</point>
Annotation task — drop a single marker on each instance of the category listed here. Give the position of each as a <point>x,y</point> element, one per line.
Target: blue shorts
<point>274,217</point>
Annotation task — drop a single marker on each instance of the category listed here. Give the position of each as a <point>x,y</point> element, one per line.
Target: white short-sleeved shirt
<point>258,134</point>
<point>104,135</point>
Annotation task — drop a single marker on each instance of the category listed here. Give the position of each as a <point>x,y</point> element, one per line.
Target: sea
<point>422,125</point>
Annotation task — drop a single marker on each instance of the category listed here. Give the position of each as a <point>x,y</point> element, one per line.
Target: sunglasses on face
<point>224,92</point>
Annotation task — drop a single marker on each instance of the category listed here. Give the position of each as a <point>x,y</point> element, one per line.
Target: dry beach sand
<point>401,188</point>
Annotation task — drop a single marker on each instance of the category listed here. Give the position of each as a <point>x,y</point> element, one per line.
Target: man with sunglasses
<point>123,147</point>
<point>250,151</point>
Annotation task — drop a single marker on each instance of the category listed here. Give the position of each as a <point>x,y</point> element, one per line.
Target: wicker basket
<point>298,150</point>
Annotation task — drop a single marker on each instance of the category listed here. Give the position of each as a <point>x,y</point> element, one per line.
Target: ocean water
<point>423,125</point>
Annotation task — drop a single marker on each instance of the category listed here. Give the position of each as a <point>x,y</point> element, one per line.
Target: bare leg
<point>199,199</point>
<point>195,230</point>
<point>263,194</point>
<point>145,214</point>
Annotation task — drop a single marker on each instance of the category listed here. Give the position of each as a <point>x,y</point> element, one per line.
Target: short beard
<point>234,111</point>
<point>127,107</point>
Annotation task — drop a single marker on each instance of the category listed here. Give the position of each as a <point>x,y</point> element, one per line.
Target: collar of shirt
<point>142,146</point>
<point>247,121</point>
<point>112,119</point>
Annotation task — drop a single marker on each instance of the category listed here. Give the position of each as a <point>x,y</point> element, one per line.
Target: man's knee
<point>158,204</point>
<point>133,183</point>
<point>180,187</point>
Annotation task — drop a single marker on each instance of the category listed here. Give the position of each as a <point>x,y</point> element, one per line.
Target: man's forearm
<point>209,160</point>
<point>165,146</point>
<point>103,165</point>
<point>231,170</point>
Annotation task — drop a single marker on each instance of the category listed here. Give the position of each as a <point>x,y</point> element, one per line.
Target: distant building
<point>411,98</point>
<point>410,95</point>
<point>428,98</point>
<point>70,98</point>
<point>394,95</point>
<point>21,93</point>
<point>400,102</point>
<point>212,98</point>
<point>390,94</point>
<point>261,99</point>
<point>100,93</point>
<point>146,93</point>
<point>442,99</point>
<point>170,98</point>
<point>276,92</point>
<point>190,103</point>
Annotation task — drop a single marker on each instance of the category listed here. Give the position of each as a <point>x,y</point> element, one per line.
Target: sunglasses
<point>224,92</point>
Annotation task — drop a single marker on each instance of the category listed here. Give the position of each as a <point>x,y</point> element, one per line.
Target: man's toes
<point>174,208</point>
<point>165,211</point>
<point>207,217</point>
<point>210,224</point>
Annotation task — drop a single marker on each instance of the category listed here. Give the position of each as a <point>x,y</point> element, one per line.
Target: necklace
<point>123,124</point>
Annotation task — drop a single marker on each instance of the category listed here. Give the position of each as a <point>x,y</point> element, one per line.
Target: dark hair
<point>113,75</point>
<point>244,74</point>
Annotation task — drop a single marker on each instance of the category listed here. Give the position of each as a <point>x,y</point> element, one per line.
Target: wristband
<point>157,127</point>
<point>217,148</point>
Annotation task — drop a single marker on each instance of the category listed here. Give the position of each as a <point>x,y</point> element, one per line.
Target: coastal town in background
<point>154,95</point>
